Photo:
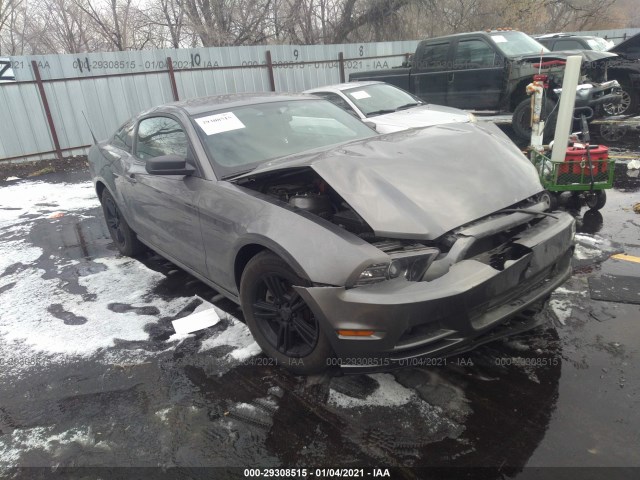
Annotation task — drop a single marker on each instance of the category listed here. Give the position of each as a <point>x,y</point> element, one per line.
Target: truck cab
<point>467,70</point>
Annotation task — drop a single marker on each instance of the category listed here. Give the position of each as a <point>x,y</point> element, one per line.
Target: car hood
<point>421,183</point>
<point>422,116</point>
<point>629,48</point>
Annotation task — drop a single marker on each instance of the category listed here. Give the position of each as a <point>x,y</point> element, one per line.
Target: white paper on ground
<point>221,122</point>
<point>196,321</point>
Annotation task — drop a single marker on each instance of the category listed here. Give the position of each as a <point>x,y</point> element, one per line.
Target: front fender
<point>315,249</point>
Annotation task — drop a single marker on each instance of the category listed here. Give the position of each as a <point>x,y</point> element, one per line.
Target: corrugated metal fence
<point>43,111</point>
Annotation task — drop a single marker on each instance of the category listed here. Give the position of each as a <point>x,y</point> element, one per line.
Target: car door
<point>119,150</point>
<point>164,206</point>
<point>429,72</point>
<point>477,77</point>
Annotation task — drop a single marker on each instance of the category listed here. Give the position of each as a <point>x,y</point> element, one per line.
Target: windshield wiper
<point>237,174</point>
<point>408,105</point>
<point>379,112</point>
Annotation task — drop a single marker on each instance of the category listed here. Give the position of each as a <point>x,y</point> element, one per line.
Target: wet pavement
<point>93,375</point>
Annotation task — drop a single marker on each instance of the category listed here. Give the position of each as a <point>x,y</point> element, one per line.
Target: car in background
<point>625,68</point>
<point>489,71</point>
<point>567,41</point>
<point>387,107</point>
<point>344,247</point>
<point>6,72</point>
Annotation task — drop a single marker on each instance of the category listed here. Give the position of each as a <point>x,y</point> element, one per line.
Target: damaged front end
<point>484,274</point>
<point>463,244</point>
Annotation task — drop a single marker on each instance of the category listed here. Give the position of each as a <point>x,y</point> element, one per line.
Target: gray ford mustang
<point>342,246</point>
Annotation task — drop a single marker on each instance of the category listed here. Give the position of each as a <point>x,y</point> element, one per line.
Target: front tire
<point>521,119</point>
<point>279,319</point>
<point>628,104</point>
<point>122,235</point>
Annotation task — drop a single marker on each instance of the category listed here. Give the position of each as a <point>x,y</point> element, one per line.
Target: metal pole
<point>272,80</point>
<point>172,79</point>
<point>341,63</point>
<point>47,110</point>
<point>565,110</point>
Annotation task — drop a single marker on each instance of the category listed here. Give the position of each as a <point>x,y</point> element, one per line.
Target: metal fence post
<point>341,64</point>
<point>272,80</point>
<point>47,110</point>
<point>172,79</point>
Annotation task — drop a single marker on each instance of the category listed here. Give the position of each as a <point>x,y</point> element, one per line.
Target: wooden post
<point>47,110</point>
<point>172,79</point>
<point>341,65</point>
<point>272,80</point>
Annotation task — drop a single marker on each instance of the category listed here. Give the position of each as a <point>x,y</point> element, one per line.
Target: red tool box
<point>577,162</point>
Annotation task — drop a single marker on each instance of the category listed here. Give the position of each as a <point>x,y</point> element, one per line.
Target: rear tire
<point>596,200</point>
<point>279,319</point>
<point>122,235</point>
<point>521,119</point>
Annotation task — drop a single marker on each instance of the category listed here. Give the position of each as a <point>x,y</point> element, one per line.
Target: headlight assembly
<point>410,265</point>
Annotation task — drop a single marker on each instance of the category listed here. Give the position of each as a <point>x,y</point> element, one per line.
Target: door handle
<point>451,75</point>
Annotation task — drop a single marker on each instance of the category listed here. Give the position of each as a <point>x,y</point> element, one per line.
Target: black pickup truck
<point>490,71</point>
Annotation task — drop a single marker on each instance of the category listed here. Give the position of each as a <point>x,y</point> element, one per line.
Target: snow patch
<point>562,309</point>
<point>236,335</point>
<point>27,325</point>
<point>42,438</point>
<point>389,394</point>
<point>583,253</point>
<point>41,199</point>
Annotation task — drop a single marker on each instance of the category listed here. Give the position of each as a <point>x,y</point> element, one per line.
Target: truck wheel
<point>521,119</point>
<point>628,104</point>
<point>596,200</point>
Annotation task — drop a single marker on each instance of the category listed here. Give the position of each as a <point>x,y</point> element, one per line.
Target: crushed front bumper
<point>443,316</point>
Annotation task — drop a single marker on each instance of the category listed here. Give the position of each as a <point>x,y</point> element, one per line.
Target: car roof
<point>196,106</point>
<point>339,87</point>
<point>547,36</point>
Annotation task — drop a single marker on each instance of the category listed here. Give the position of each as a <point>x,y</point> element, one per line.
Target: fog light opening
<point>356,333</point>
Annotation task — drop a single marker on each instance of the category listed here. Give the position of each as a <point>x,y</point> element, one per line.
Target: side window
<point>568,45</point>
<point>123,139</point>
<point>159,136</point>
<point>337,100</point>
<point>474,54</point>
<point>434,57</point>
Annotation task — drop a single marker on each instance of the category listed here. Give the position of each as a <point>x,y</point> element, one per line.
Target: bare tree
<point>120,23</point>
<point>229,22</point>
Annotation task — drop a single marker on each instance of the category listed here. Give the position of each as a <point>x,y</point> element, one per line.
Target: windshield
<point>599,44</point>
<point>241,138</point>
<point>380,98</point>
<point>517,44</point>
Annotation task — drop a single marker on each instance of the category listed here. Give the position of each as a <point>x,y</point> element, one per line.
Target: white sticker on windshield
<point>499,39</point>
<point>222,122</point>
<point>360,94</point>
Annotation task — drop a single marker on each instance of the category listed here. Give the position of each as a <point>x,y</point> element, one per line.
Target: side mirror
<point>169,165</point>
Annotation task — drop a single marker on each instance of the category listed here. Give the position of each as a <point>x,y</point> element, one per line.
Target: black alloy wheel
<point>279,319</point>
<point>125,239</point>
